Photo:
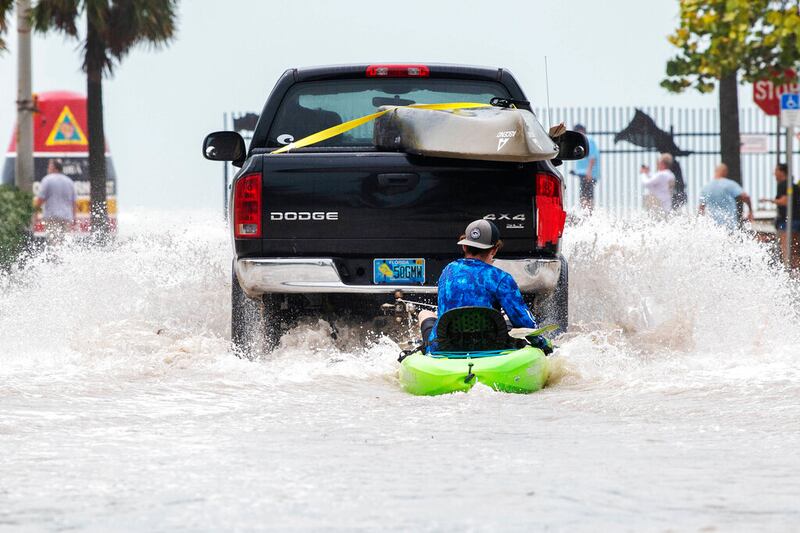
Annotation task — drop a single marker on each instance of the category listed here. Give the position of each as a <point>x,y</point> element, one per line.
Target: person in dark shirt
<point>781,202</point>
<point>473,281</point>
<point>679,197</point>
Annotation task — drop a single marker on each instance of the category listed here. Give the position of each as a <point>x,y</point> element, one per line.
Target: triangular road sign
<point>66,131</point>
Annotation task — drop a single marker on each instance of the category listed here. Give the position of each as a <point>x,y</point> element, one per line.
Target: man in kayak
<point>473,281</point>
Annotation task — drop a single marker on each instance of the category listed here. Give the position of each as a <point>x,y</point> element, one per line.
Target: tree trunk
<point>729,126</point>
<point>97,139</point>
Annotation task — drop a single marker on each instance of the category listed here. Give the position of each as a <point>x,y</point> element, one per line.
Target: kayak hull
<point>518,371</point>
<point>489,133</point>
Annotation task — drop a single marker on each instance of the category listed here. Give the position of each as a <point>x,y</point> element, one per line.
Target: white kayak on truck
<point>485,133</point>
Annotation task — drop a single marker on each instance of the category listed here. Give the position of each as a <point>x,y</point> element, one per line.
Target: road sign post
<point>790,119</point>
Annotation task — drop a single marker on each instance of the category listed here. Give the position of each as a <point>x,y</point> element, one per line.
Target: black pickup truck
<point>312,228</point>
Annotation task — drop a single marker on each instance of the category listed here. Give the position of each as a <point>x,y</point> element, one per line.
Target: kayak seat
<point>472,329</point>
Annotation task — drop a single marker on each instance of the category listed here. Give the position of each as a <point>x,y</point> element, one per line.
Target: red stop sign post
<point>767,95</point>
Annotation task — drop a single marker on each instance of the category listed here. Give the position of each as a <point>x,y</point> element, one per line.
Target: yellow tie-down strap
<point>344,127</point>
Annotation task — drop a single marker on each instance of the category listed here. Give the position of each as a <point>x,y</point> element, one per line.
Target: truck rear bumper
<point>319,275</point>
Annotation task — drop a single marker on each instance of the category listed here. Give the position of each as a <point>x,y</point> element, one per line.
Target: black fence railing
<point>694,132</point>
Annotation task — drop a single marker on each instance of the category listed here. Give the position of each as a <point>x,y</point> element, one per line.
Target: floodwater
<point>674,405</point>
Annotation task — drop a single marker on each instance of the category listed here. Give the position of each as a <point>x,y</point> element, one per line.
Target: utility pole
<point>789,194</point>
<point>24,160</point>
<point>790,118</point>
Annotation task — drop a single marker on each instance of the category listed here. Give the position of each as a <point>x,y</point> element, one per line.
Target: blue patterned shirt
<point>471,282</point>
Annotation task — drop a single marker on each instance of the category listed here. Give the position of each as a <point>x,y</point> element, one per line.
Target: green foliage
<point>116,26</point>
<point>758,39</point>
<point>5,10</point>
<point>119,25</point>
<point>16,209</point>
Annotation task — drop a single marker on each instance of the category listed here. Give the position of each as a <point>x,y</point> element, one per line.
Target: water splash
<point>643,294</point>
<point>154,294</point>
<point>680,300</point>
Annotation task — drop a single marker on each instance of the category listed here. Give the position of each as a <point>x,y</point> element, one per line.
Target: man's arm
<point>74,201</point>
<point>511,299</point>
<point>745,198</point>
<point>780,199</point>
<point>41,196</point>
<point>592,162</point>
<point>648,179</point>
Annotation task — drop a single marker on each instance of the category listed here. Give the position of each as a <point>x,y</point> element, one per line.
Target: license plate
<point>399,271</point>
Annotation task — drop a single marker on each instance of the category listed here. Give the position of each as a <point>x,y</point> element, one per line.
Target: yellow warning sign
<point>66,131</point>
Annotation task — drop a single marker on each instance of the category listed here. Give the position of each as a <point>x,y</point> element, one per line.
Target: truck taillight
<point>247,207</point>
<point>398,71</point>
<point>550,215</point>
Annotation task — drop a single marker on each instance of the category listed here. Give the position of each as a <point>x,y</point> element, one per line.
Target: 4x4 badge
<point>504,216</point>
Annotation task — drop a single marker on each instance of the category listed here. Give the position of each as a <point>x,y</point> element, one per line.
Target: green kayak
<point>522,371</point>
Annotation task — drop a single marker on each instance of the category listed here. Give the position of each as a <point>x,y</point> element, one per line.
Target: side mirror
<point>572,145</point>
<point>224,146</point>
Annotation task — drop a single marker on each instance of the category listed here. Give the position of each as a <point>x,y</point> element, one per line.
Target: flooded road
<point>674,405</point>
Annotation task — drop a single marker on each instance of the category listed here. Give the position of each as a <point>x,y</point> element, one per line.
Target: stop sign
<point>768,97</point>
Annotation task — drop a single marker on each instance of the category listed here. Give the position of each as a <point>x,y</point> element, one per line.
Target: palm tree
<point>113,28</point>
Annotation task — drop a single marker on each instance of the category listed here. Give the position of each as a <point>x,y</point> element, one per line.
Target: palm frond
<point>116,26</point>
<point>134,22</point>
<point>5,9</point>
<point>58,15</point>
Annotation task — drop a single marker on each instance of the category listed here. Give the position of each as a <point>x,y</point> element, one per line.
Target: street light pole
<point>789,194</point>
<point>24,161</point>
<point>225,174</point>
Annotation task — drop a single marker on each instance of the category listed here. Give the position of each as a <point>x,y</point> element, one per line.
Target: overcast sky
<point>228,55</point>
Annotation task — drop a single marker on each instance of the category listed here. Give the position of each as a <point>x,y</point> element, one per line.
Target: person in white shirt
<point>649,201</point>
<point>658,188</point>
<point>56,198</point>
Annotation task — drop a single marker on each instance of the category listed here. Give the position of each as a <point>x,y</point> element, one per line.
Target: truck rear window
<point>310,107</point>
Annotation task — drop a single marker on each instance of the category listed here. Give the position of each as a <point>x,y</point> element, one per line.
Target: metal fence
<point>694,130</point>
<point>619,189</point>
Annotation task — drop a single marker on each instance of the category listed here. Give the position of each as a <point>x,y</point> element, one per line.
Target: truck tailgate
<point>391,203</point>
